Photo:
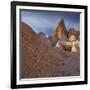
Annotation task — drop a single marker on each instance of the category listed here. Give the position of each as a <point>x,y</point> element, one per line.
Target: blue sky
<point>46,21</point>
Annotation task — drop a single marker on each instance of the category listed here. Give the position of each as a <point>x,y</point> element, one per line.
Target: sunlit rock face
<point>59,34</point>
<point>60,30</point>
<point>69,41</point>
<point>73,34</point>
<point>74,38</point>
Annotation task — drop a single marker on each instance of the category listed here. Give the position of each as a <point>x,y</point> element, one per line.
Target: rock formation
<point>43,40</point>
<point>59,34</point>
<point>37,59</point>
<point>74,38</point>
<point>74,32</point>
<point>68,40</point>
<point>60,30</point>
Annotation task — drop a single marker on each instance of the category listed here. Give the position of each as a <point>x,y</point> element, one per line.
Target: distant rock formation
<point>74,32</point>
<point>60,30</point>
<point>74,38</point>
<point>68,40</point>
<point>59,34</point>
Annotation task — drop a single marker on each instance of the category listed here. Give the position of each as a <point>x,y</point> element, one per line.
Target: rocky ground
<point>39,59</point>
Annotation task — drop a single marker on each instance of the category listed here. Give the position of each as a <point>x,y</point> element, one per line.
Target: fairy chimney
<point>60,30</point>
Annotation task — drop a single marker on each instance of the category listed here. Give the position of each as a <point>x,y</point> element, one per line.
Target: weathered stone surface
<point>38,60</point>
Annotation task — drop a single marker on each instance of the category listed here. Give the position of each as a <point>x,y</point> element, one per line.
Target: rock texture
<point>43,40</point>
<point>38,59</point>
<point>60,30</point>
<point>74,32</point>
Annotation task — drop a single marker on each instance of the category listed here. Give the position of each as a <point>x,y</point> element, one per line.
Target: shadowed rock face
<point>40,60</point>
<point>43,40</point>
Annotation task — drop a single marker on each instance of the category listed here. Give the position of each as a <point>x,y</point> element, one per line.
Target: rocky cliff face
<point>37,59</point>
<point>74,32</point>
<point>43,40</point>
<point>28,49</point>
<point>60,30</point>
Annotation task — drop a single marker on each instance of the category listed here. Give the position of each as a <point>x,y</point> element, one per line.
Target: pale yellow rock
<point>73,49</point>
<point>57,44</point>
<point>72,38</point>
<point>75,44</point>
<point>68,43</point>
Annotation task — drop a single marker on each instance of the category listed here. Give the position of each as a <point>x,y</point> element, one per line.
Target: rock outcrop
<point>74,32</point>
<point>45,42</point>
<point>74,39</point>
<point>37,59</point>
<point>68,40</point>
<point>59,33</point>
<point>60,30</point>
